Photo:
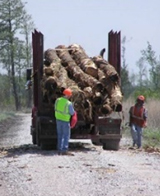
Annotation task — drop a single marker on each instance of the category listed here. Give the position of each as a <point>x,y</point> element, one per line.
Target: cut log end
<point>117,108</point>
<point>106,109</point>
<point>98,87</point>
<point>114,77</point>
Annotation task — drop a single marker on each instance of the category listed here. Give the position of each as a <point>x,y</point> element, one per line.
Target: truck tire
<point>96,142</point>
<point>45,146</point>
<point>111,145</point>
<point>54,144</point>
<point>34,138</point>
<point>37,132</point>
<point>49,145</point>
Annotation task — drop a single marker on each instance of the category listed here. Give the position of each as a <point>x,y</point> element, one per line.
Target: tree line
<point>15,51</point>
<point>16,26</point>
<point>147,80</point>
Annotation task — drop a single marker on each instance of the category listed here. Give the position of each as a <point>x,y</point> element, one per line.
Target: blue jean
<point>63,135</point>
<point>136,132</point>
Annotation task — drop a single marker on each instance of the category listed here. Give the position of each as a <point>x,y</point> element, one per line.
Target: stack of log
<point>93,81</point>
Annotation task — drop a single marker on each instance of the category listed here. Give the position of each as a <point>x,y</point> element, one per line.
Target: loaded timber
<point>95,83</point>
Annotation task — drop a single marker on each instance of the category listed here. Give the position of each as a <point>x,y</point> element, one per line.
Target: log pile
<point>93,81</point>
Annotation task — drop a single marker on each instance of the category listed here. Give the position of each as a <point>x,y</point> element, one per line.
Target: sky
<point>88,22</point>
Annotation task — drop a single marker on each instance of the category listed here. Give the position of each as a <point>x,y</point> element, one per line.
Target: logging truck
<point>95,84</point>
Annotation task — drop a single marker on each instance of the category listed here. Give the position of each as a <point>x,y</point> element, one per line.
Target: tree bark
<point>83,60</point>
<point>76,73</point>
<point>66,67</point>
<point>109,70</point>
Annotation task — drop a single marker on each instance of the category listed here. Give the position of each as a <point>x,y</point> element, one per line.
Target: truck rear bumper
<point>110,136</point>
<point>107,136</point>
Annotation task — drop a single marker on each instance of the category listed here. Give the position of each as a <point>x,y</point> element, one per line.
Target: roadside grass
<point>9,112</point>
<point>4,115</point>
<point>151,137</point>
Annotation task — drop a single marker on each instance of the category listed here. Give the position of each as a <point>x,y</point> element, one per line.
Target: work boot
<point>131,148</point>
<point>67,153</point>
<point>59,153</point>
<point>139,148</point>
<point>134,143</point>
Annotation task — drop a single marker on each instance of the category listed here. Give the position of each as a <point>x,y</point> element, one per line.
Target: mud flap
<point>112,144</point>
<point>33,133</point>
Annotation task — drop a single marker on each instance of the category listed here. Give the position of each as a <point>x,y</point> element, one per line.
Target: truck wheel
<point>49,145</point>
<point>96,142</point>
<point>54,144</point>
<point>111,145</point>
<point>34,138</point>
<point>44,146</point>
<point>37,132</point>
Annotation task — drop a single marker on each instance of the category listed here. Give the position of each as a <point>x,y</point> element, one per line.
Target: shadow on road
<point>33,149</point>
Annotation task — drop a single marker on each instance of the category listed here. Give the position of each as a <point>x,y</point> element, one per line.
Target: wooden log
<point>105,109</point>
<point>102,110</point>
<point>88,92</point>
<point>116,98</point>
<point>50,83</point>
<point>77,74</point>
<point>79,99</point>
<point>101,94</point>
<point>50,56</point>
<point>102,77</point>
<point>109,70</point>
<point>48,71</point>
<point>97,98</point>
<point>110,80</point>
<point>80,77</point>
<point>83,60</point>
<point>63,81</point>
<point>62,52</point>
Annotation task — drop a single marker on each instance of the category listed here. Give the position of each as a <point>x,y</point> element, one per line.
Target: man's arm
<point>71,109</point>
<point>145,114</point>
<point>130,115</point>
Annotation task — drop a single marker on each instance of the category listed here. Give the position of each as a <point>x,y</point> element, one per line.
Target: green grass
<point>6,115</point>
<point>151,137</point>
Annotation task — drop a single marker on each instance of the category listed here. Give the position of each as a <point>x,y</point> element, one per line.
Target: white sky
<point>88,22</point>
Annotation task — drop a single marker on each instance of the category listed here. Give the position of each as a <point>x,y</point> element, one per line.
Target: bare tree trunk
<point>14,83</point>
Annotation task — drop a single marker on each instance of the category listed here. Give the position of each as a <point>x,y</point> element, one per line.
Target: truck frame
<point>105,131</point>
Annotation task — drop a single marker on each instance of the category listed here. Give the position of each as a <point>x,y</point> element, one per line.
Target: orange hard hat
<point>67,92</point>
<point>141,97</point>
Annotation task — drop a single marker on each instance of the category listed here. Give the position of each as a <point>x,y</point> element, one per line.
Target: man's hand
<point>128,124</point>
<point>145,125</point>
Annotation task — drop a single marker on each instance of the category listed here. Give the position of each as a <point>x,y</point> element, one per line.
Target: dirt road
<point>28,171</point>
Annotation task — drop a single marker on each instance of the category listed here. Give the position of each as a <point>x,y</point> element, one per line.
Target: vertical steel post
<point>37,46</point>
<point>114,50</point>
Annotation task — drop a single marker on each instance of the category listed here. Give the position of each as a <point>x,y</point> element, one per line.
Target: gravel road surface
<point>28,171</point>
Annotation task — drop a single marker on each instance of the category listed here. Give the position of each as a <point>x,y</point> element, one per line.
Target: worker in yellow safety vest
<point>63,111</point>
